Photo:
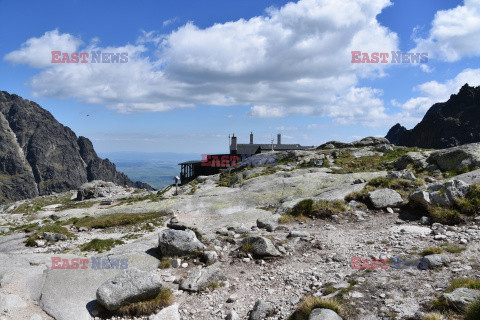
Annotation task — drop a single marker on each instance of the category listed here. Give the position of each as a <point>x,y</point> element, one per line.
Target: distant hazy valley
<point>155,168</point>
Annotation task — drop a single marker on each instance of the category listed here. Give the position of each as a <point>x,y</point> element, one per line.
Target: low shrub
<point>470,204</point>
<point>446,216</point>
<point>473,311</point>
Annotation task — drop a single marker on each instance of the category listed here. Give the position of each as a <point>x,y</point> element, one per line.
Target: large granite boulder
<point>383,198</point>
<point>178,242</point>
<point>132,285</point>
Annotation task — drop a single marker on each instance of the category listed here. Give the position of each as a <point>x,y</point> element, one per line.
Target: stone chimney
<point>279,139</point>
<point>233,145</point>
<point>251,137</point>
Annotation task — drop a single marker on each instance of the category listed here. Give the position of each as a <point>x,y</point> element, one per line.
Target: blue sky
<point>201,70</point>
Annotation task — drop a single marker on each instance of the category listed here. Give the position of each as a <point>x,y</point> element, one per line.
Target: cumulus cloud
<point>36,52</point>
<point>291,60</point>
<point>432,92</point>
<point>454,34</point>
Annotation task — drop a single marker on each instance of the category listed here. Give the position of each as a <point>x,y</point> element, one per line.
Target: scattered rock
<point>298,234</point>
<point>269,223</point>
<point>232,315</point>
<point>261,310</point>
<point>323,314</point>
<point>433,261</point>
<point>210,257</point>
<point>168,313</point>
<point>178,242</point>
<point>50,236</point>
<point>261,246</point>
<point>384,148</point>
<point>359,181</point>
<point>200,278</point>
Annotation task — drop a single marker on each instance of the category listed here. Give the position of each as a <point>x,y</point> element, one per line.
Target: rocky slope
<point>249,256</point>
<point>447,124</point>
<point>38,155</point>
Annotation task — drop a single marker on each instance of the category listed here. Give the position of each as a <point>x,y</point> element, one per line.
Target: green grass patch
<point>100,245</point>
<point>163,299</point>
<point>446,216</point>
<point>37,204</point>
<point>247,247</point>
<point>54,228</point>
<point>154,197</point>
<point>402,186</point>
<point>119,220</point>
<point>473,311</point>
<point>165,263</point>
<point>453,248</point>
<point>431,250</point>
<point>470,204</point>
<point>470,283</point>
<point>349,164</point>
<point>311,209</point>
<point>76,205</point>
<point>433,316</point>
<point>454,173</point>
<point>310,303</point>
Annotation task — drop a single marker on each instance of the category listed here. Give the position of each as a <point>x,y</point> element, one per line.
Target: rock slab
<point>130,286</point>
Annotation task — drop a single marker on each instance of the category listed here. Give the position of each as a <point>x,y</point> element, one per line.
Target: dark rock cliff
<point>447,124</point>
<point>38,155</point>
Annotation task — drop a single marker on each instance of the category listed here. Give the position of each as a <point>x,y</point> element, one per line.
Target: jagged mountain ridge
<point>447,124</point>
<point>39,155</point>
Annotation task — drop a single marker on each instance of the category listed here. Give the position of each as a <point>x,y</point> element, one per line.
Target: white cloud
<point>36,52</point>
<point>426,69</point>
<point>292,60</point>
<point>454,34</point>
<point>169,21</point>
<point>286,128</point>
<point>413,110</point>
<point>267,112</point>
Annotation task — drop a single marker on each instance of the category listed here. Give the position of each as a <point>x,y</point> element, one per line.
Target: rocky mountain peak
<point>446,124</point>
<point>39,155</point>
